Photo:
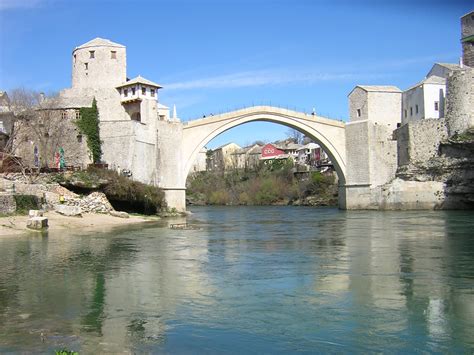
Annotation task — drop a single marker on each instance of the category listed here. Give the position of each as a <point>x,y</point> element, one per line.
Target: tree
<point>38,123</point>
<point>295,135</point>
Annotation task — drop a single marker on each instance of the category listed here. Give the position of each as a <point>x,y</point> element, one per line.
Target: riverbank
<point>16,224</point>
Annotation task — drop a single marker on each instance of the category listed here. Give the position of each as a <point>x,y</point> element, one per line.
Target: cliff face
<point>453,166</point>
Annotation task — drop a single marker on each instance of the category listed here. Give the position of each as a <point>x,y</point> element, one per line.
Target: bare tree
<point>38,123</point>
<point>295,135</point>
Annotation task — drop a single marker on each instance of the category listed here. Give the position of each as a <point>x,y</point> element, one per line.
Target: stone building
<point>223,157</point>
<point>467,39</point>
<point>379,104</point>
<point>248,157</point>
<point>128,108</point>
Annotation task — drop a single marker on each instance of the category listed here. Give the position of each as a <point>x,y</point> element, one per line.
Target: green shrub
<point>24,203</point>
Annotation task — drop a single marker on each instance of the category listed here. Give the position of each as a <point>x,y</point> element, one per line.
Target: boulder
<point>66,210</point>
<point>119,214</point>
<point>37,223</point>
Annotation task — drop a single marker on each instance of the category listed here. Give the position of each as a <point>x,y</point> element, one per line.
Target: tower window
<point>91,54</point>
<point>79,138</point>
<point>436,106</point>
<point>86,65</point>
<point>74,58</point>
<point>411,111</point>
<point>143,91</point>
<point>416,109</point>
<point>358,112</point>
<point>152,92</point>
<point>125,92</point>
<point>406,113</point>
<point>113,55</point>
<point>77,114</point>
<point>64,114</point>
<point>133,91</point>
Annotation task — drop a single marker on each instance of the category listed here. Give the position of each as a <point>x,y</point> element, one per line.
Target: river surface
<point>250,280</point>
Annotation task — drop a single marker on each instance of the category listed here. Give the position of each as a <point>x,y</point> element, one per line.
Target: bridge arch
<point>328,133</point>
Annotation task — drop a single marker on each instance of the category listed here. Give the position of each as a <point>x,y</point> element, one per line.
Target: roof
<point>310,145</point>
<point>251,149</point>
<point>139,80</point>
<point>450,66</point>
<point>227,144</point>
<point>63,102</point>
<point>287,146</point>
<point>379,88</point>
<point>100,42</point>
<point>437,80</point>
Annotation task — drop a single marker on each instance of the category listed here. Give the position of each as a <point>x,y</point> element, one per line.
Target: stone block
<point>35,213</point>
<point>120,214</point>
<point>37,223</point>
<point>7,204</point>
<point>66,210</point>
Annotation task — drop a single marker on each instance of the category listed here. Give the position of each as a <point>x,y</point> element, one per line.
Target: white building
<point>427,98</point>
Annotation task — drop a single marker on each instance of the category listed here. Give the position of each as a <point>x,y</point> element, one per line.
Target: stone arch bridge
<point>179,143</point>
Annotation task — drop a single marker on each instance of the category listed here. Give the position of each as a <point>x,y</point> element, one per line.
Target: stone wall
<point>357,150</point>
<point>7,204</point>
<point>460,101</point>
<point>59,132</point>
<point>467,30</point>
<point>419,141</point>
<point>358,103</point>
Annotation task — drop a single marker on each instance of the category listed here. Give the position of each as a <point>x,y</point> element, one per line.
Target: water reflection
<point>252,279</point>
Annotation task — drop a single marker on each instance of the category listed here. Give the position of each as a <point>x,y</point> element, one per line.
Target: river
<point>249,280</point>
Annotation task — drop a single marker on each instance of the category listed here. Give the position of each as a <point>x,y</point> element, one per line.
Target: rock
<point>68,210</point>
<point>35,213</point>
<point>120,214</point>
<point>37,223</point>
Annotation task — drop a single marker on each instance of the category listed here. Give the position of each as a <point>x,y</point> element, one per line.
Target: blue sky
<point>217,55</point>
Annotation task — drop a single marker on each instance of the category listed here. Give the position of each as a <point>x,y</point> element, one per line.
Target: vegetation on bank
<point>274,183</point>
<point>88,124</point>
<point>123,193</point>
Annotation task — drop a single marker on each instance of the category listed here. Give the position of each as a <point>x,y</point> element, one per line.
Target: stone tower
<point>99,63</point>
<point>467,39</point>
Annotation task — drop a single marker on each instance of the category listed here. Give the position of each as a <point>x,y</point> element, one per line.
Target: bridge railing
<point>262,103</point>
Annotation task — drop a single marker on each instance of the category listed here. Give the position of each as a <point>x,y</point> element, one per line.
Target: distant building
<point>467,39</point>
<point>270,151</point>
<point>312,155</point>
<point>248,157</point>
<point>223,158</point>
<point>200,164</point>
<point>7,119</point>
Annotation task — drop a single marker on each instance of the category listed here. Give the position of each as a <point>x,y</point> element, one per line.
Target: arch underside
<point>330,137</point>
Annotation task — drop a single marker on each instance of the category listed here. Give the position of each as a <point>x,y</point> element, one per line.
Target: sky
<point>214,56</point>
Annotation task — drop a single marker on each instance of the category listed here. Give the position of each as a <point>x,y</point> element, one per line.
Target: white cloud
<point>262,78</point>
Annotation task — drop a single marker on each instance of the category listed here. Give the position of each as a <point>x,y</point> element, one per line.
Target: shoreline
<point>15,225</point>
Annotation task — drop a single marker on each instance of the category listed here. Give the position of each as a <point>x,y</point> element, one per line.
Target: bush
<point>24,203</point>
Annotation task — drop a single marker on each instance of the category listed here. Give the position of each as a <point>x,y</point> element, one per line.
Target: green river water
<point>249,280</point>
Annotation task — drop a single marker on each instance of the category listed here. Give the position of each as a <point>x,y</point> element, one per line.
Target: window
<point>411,111</point>
<point>63,115</point>
<point>77,114</point>
<point>416,109</point>
<point>91,54</point>
<point>436,105</point>
<point>133,91</point>
<point>152,92</point>
<point>79,138</point>
<point>125,92</point>
<point>358,112</point>
<point>113,55</point>
<point>74,58</point>
<point>86,65</point>
<point>143,91</point>
<point>406,113</point>
<point>136,116</point>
